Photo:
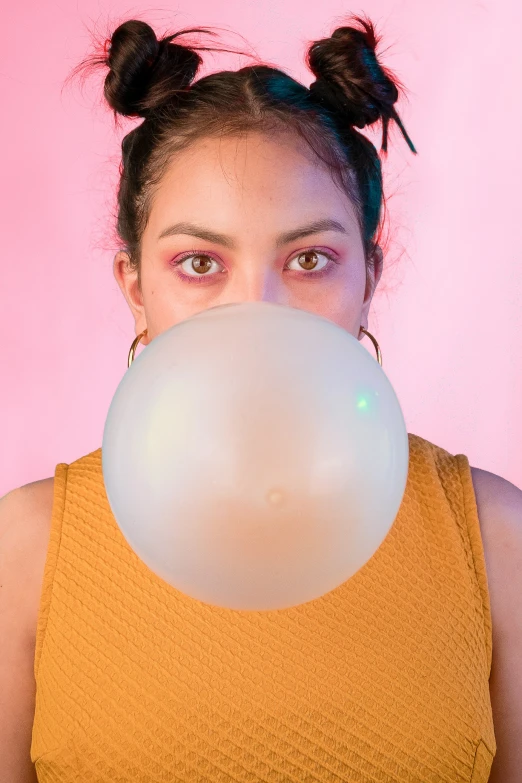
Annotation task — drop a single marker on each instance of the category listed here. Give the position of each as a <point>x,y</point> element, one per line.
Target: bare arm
<point>24,532</point>
<point>500,509</point>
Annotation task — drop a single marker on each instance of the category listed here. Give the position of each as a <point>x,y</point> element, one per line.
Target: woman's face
<point>245,219</point>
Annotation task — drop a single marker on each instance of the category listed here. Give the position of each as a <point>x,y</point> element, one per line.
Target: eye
<point>309,261</point>
<point>196,265</point>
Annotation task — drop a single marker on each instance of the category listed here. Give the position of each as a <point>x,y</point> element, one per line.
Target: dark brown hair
<point>154,79</point>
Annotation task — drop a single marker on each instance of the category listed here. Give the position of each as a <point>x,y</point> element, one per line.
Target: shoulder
<point>25,526</point>
<point>40,491</point>
<point>495,490</point>
<point>26,506</point>
<point>499,505</point>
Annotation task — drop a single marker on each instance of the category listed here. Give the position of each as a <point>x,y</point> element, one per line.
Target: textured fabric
<point>384,678</point>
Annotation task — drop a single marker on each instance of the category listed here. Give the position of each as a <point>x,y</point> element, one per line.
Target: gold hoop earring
<point>376,344</point>
<point>133,348</point>
<point>138,338</point>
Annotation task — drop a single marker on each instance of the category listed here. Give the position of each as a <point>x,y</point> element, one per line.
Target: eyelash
<point>202,278</point>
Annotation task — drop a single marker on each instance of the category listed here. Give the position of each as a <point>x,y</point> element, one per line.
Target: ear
<point>126,276</point>
<point>374,269</point>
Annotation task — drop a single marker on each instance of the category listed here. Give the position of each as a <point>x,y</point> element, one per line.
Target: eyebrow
<point>201,232</point>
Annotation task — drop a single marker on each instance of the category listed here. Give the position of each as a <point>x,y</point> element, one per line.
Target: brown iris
<point>199,265</point>
<point>309,264</point>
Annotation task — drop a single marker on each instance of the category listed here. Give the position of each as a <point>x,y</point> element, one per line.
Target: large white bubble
<point>255,456</point>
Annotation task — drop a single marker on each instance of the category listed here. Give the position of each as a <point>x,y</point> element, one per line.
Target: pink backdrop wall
<point>448,314</point>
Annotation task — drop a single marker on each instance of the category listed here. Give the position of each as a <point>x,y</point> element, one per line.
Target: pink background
<point>448,312</point>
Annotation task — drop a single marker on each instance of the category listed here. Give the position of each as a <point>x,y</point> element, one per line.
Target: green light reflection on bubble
<point>364,400</point>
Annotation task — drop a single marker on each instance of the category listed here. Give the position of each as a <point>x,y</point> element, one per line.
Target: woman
<point>249,186</point>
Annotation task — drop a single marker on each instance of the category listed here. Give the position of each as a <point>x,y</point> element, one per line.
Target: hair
<point>155,79</point>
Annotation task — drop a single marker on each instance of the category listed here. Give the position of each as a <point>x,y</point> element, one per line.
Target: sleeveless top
<point>385,678</point>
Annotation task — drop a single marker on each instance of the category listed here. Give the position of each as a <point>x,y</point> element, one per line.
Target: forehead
<point>271,175</point>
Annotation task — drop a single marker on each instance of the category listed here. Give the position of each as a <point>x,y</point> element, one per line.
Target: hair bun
<point>145,72</point>
<point>351,80</point>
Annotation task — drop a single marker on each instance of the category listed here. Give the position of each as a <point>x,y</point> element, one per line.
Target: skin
<point>252,189</point>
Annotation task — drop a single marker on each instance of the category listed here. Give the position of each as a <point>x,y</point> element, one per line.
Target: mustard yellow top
<point>384,678</point>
